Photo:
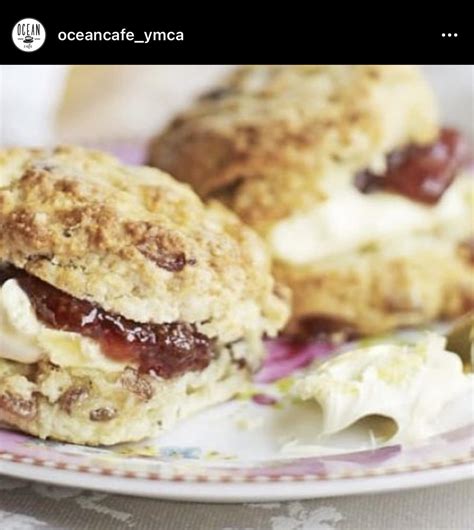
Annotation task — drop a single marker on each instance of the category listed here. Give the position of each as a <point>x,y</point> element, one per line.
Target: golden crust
<point>134,241</point>
<point>399,284</point>
<point>267,138</point>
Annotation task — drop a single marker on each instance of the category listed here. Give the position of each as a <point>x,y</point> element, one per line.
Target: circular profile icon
<point>28,35</point>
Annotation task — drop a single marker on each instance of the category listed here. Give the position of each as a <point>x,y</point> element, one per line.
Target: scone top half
<point>131,259</point>
<point>349,176</point>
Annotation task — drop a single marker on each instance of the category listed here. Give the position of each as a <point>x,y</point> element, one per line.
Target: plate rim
<point>259,491</point>
<point>224,476</point>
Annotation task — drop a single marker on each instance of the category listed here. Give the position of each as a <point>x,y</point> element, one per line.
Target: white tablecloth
<point>33,506</point>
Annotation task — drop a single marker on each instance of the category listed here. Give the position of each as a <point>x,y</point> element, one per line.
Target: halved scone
<point>125,303</point>
<point>361,197</point>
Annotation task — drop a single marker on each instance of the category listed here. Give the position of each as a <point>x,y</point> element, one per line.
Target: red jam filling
<point>326,328</point>
<point>166,349</point>
<point>422,173</point>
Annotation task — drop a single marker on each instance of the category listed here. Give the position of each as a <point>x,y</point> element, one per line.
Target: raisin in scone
<point>362,197</point>
<point>125,303</point>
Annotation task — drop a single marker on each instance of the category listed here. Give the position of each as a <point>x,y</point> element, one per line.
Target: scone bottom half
<point>125,303</point>
<point>365,201</point>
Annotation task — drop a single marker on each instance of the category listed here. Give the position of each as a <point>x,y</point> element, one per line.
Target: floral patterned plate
<point>261,446</point>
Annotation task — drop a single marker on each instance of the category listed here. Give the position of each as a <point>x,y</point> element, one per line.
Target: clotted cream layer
<point>23,338</point>
<point>350,219</point>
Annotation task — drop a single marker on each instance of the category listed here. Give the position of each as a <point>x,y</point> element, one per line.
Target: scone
<point>125,303</point>
<point>344,170</point>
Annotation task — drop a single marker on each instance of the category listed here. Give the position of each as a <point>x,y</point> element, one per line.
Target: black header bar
<point>235,34</point>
